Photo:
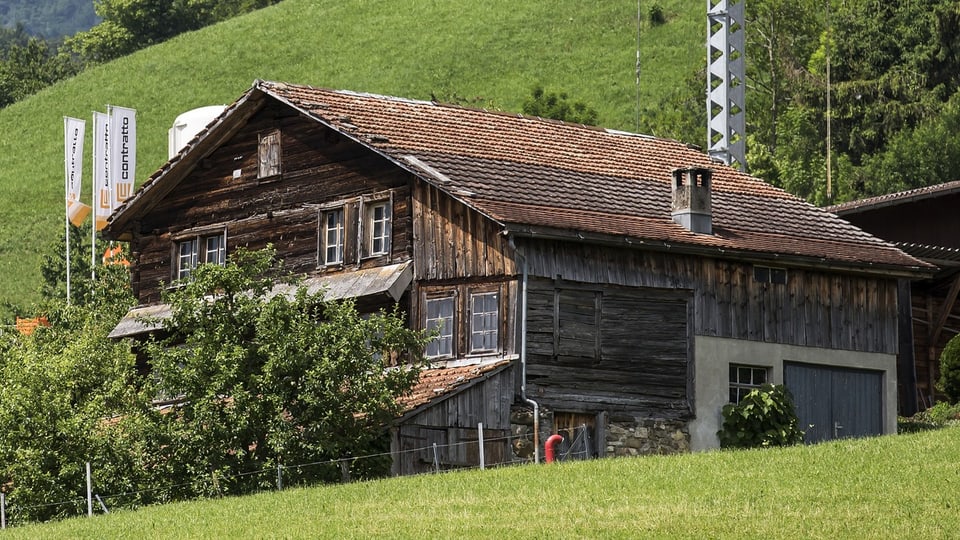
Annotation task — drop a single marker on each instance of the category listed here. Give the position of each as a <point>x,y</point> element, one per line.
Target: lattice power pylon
<point>726,81</point>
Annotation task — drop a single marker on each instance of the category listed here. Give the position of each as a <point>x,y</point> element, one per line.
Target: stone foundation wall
<point>635,436</point>
<point>624,434</point>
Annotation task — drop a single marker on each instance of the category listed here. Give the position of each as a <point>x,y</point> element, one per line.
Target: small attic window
<point>767,274</point>
<point>269,154</point>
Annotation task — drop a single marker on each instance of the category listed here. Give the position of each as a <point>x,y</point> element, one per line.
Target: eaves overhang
<point>919,271</point>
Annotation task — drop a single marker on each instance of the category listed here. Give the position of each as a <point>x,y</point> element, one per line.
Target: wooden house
<point>615,288</point>
<point>924,223</point>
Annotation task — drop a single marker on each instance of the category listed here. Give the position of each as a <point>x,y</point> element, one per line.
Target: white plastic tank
<point>188,124</point>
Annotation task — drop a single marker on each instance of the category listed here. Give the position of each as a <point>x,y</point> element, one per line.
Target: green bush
<point>656,15</point>
<point>950,370</point>
<point>764,417</point>
<point>941,415</point>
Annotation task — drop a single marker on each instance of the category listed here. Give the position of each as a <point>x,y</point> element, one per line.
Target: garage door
<point>835,403</point>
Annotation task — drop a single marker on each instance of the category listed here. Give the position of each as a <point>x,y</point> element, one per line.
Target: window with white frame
<point>744,379</point>
<point>187,256</point>
<point>332,237</point>
<point>377,227</point>
<point>269,154</point>
<point>439,315</point>
<point>484,322</point>
<point>199,250</point>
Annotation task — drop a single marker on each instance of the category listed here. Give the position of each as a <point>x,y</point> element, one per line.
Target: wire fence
<point>8,516</point>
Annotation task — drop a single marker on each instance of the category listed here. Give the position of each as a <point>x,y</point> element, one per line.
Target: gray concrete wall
<point>713,357</point>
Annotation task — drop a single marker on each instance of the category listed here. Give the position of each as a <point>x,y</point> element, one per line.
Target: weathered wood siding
<point>452,424</point>
<point>813,308</point>
<point>453,241</point>
<point>318,166</point>
<point>593,347</point>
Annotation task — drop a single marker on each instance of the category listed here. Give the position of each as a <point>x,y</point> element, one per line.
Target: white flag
<point>102,194</point>
<point>123,152</point>
<point>73,131</point>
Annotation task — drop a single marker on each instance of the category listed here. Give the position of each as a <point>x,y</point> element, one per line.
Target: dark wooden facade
<point>814,308</point>
<point>319,167</point>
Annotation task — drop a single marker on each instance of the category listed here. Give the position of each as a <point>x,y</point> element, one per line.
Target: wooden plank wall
<point>318,166</point>
<point>814,308</point>
<point>453,241</point>
<point>452,423</point>
<point>627,349</point>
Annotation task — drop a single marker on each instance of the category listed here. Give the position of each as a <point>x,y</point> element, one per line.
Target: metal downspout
<point>523,355</point>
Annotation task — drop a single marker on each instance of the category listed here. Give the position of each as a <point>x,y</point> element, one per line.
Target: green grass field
<point>905,486</point>
<point>490,53</point>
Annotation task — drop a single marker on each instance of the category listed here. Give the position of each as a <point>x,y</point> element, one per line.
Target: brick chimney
<point>691,199</point>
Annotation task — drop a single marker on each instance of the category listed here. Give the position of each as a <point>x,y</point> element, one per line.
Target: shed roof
<point>440,382</point>
<point>537,176</point>
<point>893,199</point>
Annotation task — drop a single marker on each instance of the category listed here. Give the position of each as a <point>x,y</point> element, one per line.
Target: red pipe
<point>550,447</point>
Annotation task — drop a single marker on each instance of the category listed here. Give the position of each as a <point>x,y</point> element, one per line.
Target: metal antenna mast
<point>638,66</point>
<point>726,82</point>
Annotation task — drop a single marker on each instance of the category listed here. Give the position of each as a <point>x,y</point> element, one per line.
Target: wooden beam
<point>948,304</point>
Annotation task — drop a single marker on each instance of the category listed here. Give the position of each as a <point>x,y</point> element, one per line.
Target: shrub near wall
<point>764,417</point>
<point>950,370</point>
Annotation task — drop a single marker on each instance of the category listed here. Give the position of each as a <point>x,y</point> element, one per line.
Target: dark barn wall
<point>931,221</point>
<point>812,309</point>
<point>593,348</point>
<point>318,166</point>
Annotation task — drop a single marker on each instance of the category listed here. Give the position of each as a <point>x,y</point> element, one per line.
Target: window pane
<point>440,315</point>
<point>333,237</point>
<point>187,258</point>
<point>484,322</point>
<point>378,225</point>
<point>744,379</point>
<point>215,250</point>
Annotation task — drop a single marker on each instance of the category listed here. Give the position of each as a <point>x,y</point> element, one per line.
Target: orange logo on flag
<point>123,191</point>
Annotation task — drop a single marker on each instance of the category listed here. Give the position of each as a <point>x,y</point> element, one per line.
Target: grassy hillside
<point>890,487</point>
<point>489,52</point>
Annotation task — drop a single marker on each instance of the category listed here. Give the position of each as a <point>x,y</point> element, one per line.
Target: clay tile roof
<point>530,172</point>
<point>437,383</point>
<point>891,199</point>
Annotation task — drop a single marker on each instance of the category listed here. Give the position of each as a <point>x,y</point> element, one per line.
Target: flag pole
<point>93,206</point>
<point>66,208</point>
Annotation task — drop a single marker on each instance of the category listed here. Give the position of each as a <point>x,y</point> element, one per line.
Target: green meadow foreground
<point>905,486</point>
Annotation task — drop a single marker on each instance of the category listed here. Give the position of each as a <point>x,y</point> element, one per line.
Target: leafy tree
<point>31,67</point>
<point>262,379</point>
<point>130,25</point>
<point>68,395</point>
<point>53,267</point>
<point>558,107</point>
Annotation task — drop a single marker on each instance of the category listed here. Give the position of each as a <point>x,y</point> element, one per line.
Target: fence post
<point>89,492</point>
<point>279,477</point>
<point>3,510</point>
<point>480,442</point>
<point>436,459</point>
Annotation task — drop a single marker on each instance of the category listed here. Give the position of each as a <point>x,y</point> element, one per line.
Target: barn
<point>615,288</point>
